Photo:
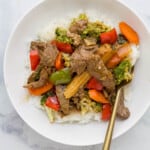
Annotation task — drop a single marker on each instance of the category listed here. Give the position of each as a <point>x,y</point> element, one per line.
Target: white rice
<point>135,53</point>
<point>78,118</point>
<point>48,33</point>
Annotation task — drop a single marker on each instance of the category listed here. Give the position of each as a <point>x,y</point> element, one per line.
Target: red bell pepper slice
<point>94,84</point>
<point>106,112</point>
<point>34,59</point>
<point>52,102</point>
<point>109,37</point>
<point>63,47</point>
<point>121,53</point>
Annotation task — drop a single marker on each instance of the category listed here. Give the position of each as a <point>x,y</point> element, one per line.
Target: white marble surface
<point>15,134</point>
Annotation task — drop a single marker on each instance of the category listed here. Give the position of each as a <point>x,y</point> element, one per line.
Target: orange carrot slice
<point>97,96</point>
<point>129,33</point>
<point>41,90</point>
<point>59,63</point>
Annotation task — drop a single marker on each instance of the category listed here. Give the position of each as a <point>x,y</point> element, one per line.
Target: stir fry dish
<point>80,69</point>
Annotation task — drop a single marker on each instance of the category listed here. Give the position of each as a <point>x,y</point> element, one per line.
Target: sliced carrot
<point>39,91</point>
<point>121,53</point>
<point>59,62</point>
<point>97,96</point>
<point>129,33</point>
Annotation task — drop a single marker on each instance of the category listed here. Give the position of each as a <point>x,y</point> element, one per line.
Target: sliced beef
<point>83,59</point>
<point>80,58</point>
<point>98,70</point>
<point>78,63</point>
<point>64,103</point>
<point>34,76</point>
<point>41,82</point>
<point>38,45</point>
<point>78,26</point>
<point>48,56</point>
<point>45,67</point>
<point>122,111</point>
<point>75,37</point>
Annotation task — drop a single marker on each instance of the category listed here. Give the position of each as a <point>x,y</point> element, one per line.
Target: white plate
<point>15,72</point>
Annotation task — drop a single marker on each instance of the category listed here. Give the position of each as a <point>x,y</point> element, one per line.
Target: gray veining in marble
<point>15,134</point>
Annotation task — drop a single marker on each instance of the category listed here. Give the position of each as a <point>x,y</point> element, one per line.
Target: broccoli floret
<point>61,35</point>
<point>80,17</point>
<point>122,72</point>
<point>94,29</point>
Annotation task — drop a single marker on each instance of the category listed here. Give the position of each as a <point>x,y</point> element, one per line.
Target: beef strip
<point>38,45</point>
<point>122,111</point>
<point>78,63</point>
<point>64,103</point>
<point>75,37</point>
<point>48,56</point>
<point>78,26</point>
<point>46,65</point>
<point>34,76</point>
<point>80,58</point>
<point>83,59</point>
<point>98,70</point>
<point>41,82</point>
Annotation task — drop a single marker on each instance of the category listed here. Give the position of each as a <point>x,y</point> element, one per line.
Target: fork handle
<point>108,137</point>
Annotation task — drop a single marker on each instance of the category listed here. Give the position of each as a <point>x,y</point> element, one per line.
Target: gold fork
<point>108,137</point>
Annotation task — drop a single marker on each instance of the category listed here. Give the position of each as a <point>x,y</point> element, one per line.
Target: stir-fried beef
<point>80,58</point>
<point>38,45</point>
<point>48,57</point>
<point>122,111</point>
<point>64,103</point>
<point>78,63</point>
<point>97,69</point>
<point>34,76</point>
<point>86,54</point>
<point>78,26</point>
<point>83,59</point>
<point>41,82</point>
<point>75,37</point>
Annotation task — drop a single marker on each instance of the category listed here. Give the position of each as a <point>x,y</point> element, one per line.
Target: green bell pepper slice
<point>62,76</point>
